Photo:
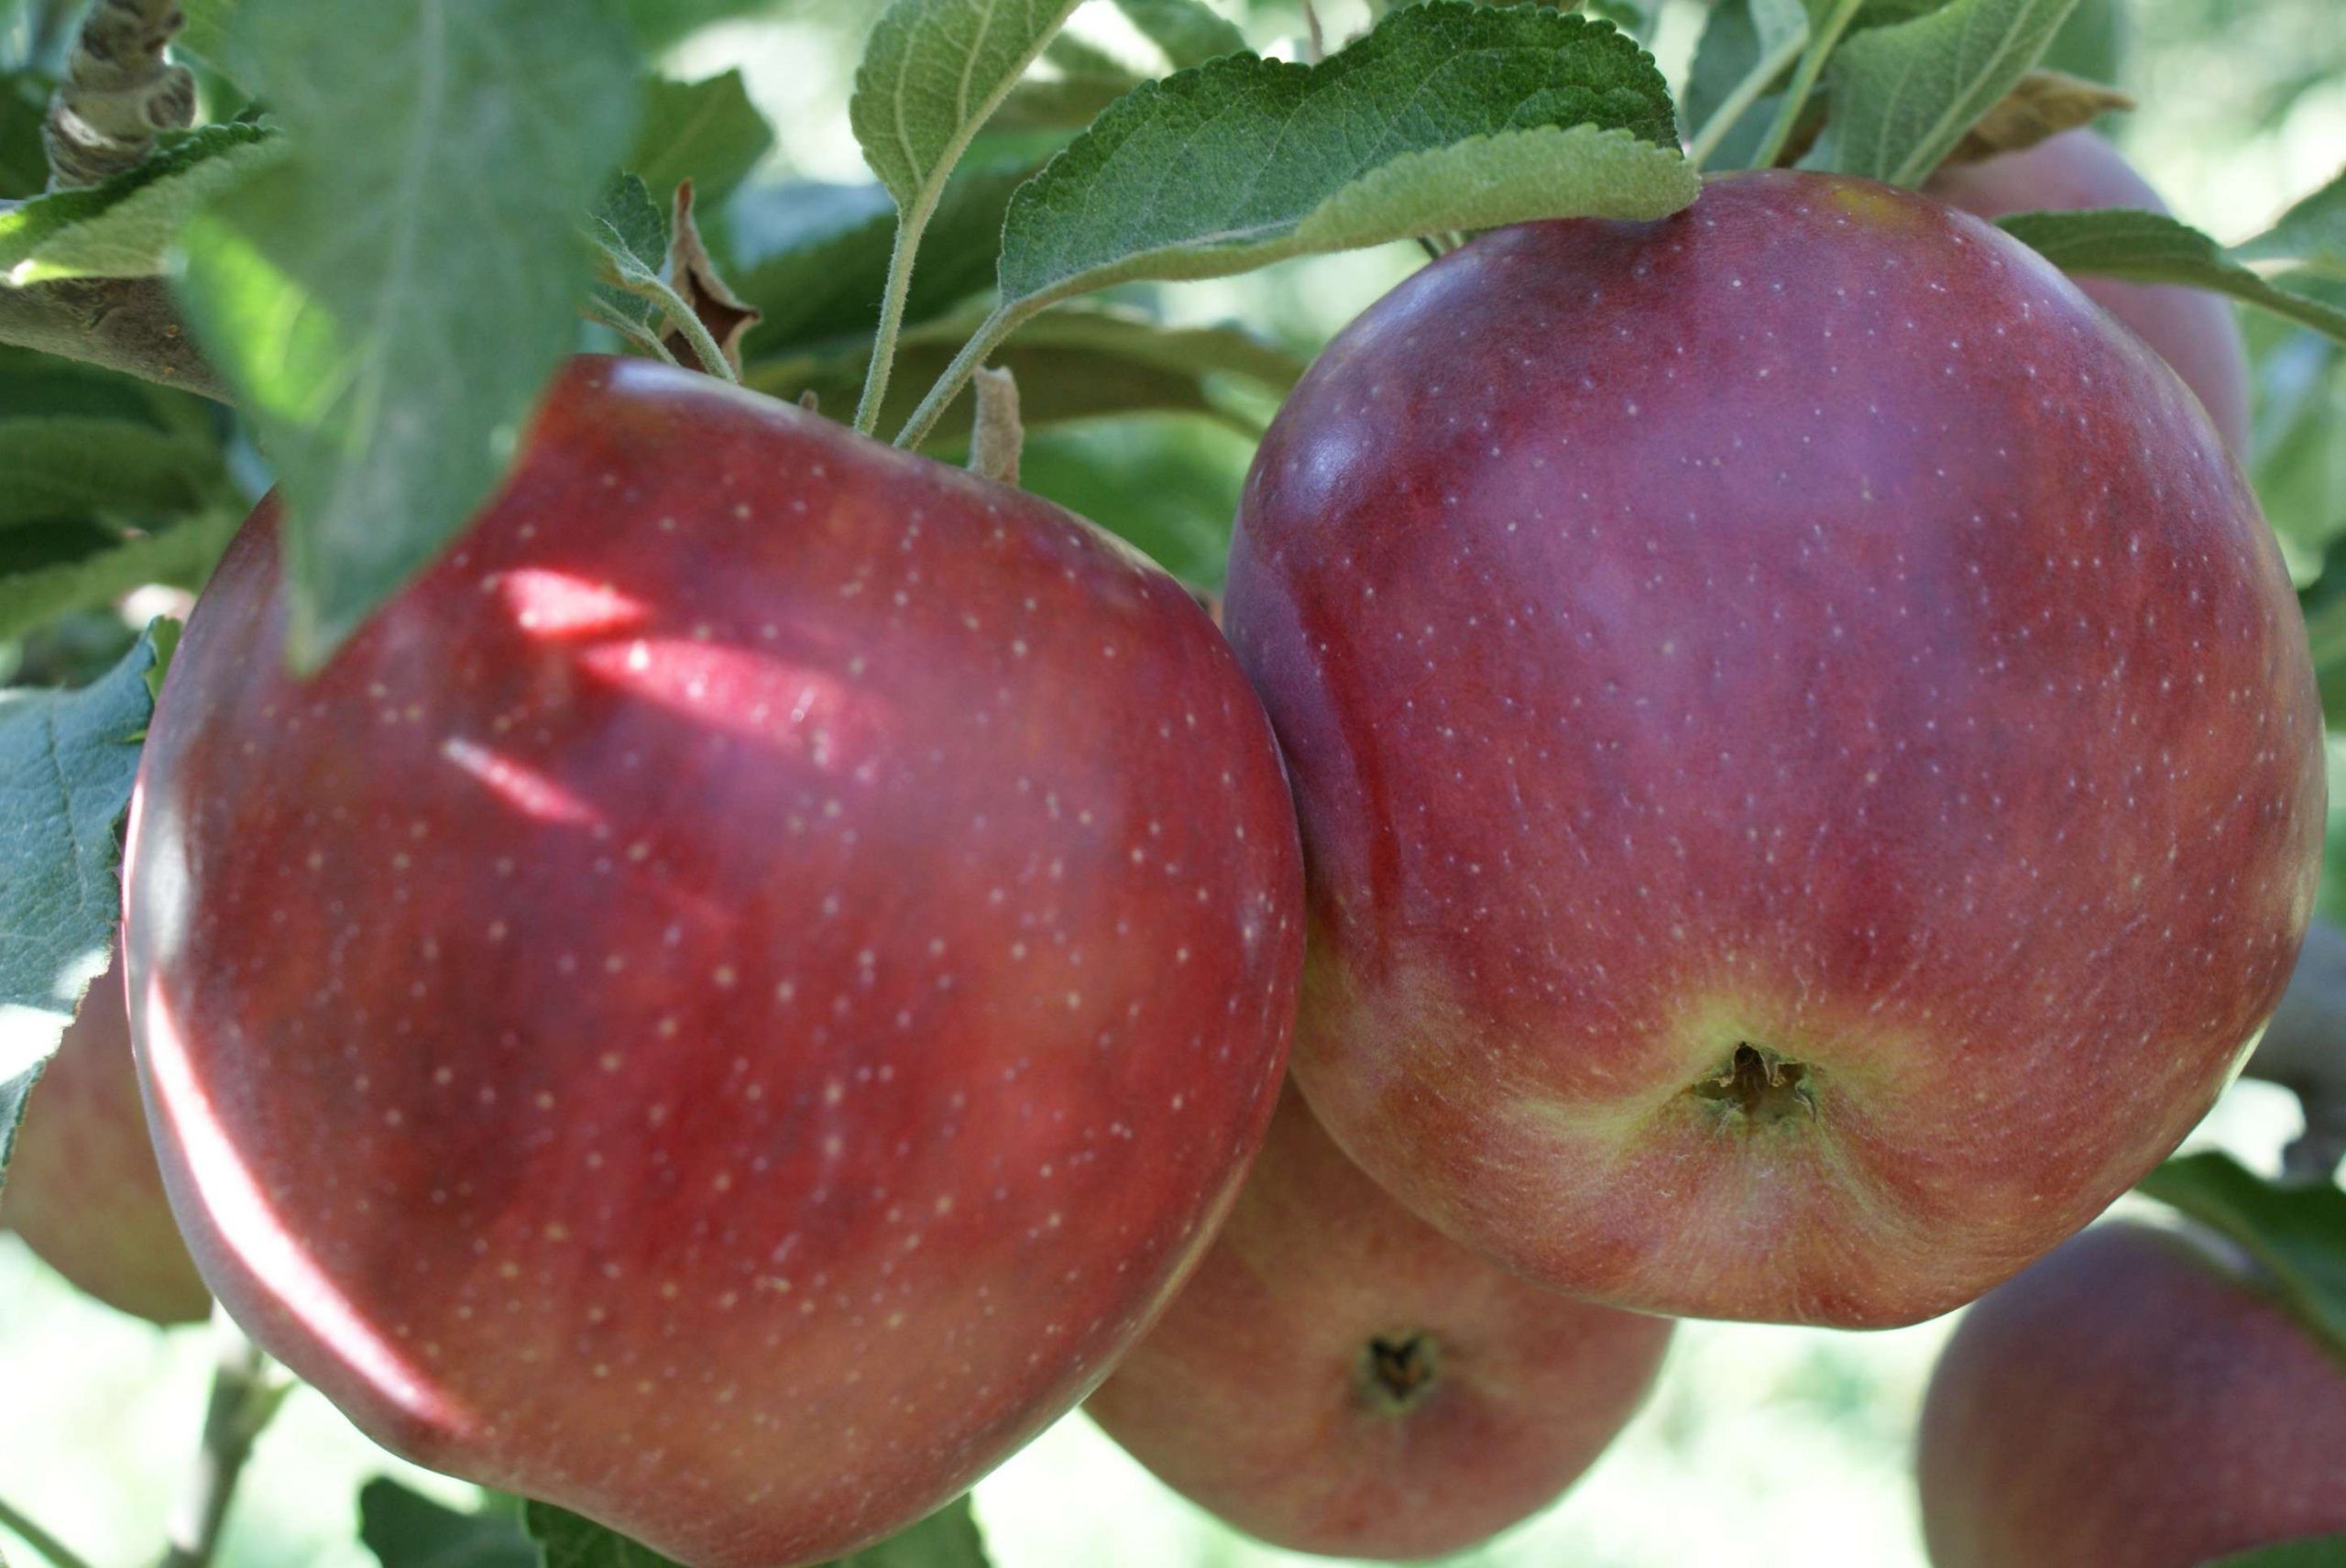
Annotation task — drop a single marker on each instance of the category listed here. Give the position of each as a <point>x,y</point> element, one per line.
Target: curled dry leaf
<point>2040,106</point>
<point>694,276</point>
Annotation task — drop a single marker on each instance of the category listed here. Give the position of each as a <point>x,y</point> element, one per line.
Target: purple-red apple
<point>2138,1399</point>
<point>2078,170</point>
<point>82,1189</point>
<point>1809,765</point>
<point>732,999</point>
<point>1340,1378</point>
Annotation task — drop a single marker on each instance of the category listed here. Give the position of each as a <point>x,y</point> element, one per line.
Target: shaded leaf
<point>24,162</point>
<point>2312,234</point>
<point>427,207</point>
<point>1169,486</point>
<point>1071,365</point>
<point>66,760</point>
<point>2150,248</point>
<point>1903,95</point>
<point>68,465</point>
<point>708,132</point>
<point>570,1542</point>
<point>406,1529</point>
<point>129,226</point>
<point>89,567</point>
<point>947,1539</point>
<point>2296,1234</point>
<point>814,259</point>
<point>1187,32</point>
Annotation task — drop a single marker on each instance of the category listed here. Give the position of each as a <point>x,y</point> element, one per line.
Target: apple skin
<point>1809,765</point>
<point>2078,171</point>
<point>2136,1401</point>
<point>1260,1395</point>
<point>737,996</point>
<point>82,1191</point>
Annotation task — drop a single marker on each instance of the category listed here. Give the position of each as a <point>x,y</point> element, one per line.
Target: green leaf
<point>1245,162</point>
<point>947,1539</point>
<point>2319,1551</point>
<point>206,34</point>
<point>1747,53</point>
<point>815,257</point>
<point>1187,32</point>
<point>1505,115</point>
<point>406,1529</point>
<point>66,760</point>
<point>24,162</point>
<point>69,465</point>
<point>389,298</point>
<point>570,1542</point>
<point>659,23</point>
<point>1169,487</point>
<point>1071,365</point>
<point>630,234</point>
<point>1063,104</point>
<point>2296,1234</point>
<point>2149,248</point>
<point>97,567</point>
<point>1903,95</point>
<point>129,226</point>
<point>933,71</point>
<point>2312,234</point>
<point>708,132</point>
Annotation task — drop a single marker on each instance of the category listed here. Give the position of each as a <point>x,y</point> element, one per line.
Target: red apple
<point>1340,1378</point>
<point>82,1189</point>
<point>2139,1399</point>
<point>1809,764</point>
<point>731,1001</point>
<point>2078,171</point>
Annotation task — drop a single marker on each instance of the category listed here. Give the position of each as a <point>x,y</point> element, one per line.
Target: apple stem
<point>2304,1050</point>
<point>40,1540</point>
<point>120,89</point>
<point>245,1397</point>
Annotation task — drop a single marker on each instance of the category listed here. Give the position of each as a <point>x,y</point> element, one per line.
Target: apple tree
<point>638,856</point>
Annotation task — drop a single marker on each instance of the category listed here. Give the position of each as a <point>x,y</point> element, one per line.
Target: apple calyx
<point>1397,1372</point>
<point>1757,1088</point>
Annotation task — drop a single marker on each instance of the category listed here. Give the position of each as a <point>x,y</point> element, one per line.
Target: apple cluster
<point>1764,765</point>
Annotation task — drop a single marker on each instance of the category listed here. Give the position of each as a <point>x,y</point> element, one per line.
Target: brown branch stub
<point>999,436</point>
<point>120,88</point>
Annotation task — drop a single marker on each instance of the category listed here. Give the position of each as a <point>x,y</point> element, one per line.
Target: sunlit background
<point>1761,1446</point>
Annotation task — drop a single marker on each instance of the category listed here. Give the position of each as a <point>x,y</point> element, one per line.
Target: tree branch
<point>40,1540</point>
<point>2304,1050</point>
<point>130,325</point>
<point>120,88</point>
<point>243,1399</point>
